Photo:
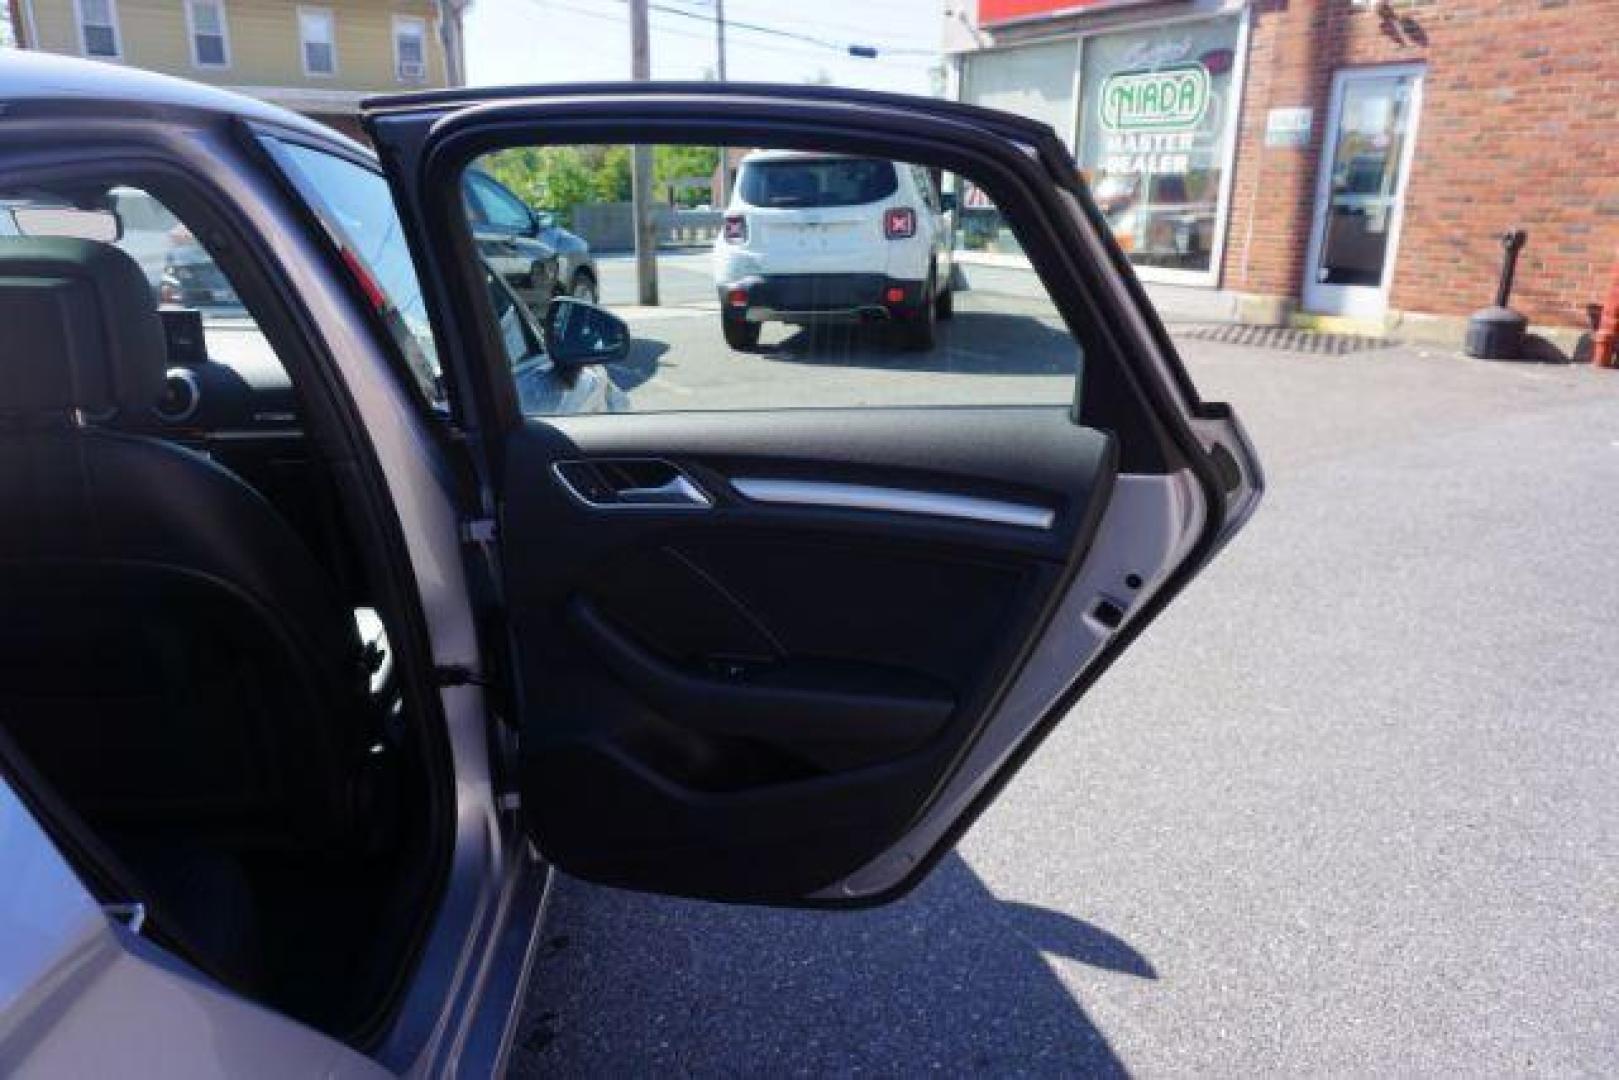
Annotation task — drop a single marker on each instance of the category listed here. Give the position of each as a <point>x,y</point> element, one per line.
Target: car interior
<point>193,659</point>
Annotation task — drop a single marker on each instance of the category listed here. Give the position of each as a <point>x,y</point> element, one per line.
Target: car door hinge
<point>131,914</point>
<point>478,531</point>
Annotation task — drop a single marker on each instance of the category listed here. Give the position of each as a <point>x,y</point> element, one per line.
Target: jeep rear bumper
<point>821,298</point>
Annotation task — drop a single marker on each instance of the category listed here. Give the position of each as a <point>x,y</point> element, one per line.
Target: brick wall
<point>1519,127</point>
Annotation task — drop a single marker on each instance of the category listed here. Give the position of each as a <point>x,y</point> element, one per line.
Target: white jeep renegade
<point>824,238</point>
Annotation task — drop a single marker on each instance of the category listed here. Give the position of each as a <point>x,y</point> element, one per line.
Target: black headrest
<point>79,329</point>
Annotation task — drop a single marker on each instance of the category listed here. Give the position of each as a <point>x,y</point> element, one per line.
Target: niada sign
<point>1173,99</point>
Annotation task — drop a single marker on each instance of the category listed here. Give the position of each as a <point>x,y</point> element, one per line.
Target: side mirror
<point>100,225</point>
<point>947,201</point>
<point>579,333</point>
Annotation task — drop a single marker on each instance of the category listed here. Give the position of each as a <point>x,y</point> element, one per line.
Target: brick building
<point>1338,161</point>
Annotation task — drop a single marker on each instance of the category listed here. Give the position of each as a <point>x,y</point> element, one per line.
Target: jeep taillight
<point>736,229</point>
<point>899,222</point>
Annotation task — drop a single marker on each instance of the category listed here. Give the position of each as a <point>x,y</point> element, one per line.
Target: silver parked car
<point>325,640</point>
<point>578,266</point>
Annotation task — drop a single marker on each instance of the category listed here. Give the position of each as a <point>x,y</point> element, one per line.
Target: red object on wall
<point>996,11</point>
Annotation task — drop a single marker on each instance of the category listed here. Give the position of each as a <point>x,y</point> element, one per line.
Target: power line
<point>776,31</point>
<point>661,9</point>
<point>772,31</point>
<point>863,33</point>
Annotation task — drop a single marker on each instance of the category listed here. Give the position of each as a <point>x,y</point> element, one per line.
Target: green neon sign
<point>1173,99</point>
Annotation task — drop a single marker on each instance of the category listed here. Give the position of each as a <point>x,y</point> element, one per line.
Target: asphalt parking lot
<point>1350,806</point>
<point>1006,345</point>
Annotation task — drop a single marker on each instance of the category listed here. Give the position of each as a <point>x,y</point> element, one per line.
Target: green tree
<point>560,178</point>
<point>672,164</point>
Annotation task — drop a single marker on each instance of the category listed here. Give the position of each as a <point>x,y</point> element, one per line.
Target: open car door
<point>787,655</point>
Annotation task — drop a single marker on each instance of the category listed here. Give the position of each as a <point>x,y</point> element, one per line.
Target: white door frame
<point>1359,301</point>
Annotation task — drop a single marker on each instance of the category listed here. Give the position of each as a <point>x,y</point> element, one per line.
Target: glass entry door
<point>1366,158</point>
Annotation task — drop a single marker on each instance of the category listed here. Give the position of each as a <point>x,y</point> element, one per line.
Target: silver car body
<point>573,254</point>
<point>81,993</point>
<point>461,1002</point>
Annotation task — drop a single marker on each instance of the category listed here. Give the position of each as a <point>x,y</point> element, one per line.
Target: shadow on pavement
<point>972,343</point>
<point>641,364</point>
<point>950,979</point>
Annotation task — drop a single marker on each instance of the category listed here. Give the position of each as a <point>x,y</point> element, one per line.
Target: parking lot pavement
<point>990,353</point>
<point>684,278</point>
<point>1349,806</point>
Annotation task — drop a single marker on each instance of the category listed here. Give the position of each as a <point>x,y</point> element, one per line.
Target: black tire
<point>583,287</point>
<point>919,332</point>
<point>945,306</point>
<point>740,334</point>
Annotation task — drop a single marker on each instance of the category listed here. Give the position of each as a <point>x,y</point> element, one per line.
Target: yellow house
<point>319,58</point>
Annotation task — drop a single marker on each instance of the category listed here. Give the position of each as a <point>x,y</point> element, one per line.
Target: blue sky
<point>536,41</point>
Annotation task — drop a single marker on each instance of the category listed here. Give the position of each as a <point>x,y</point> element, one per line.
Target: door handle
<point>630,484</point>
<point>676,491</point>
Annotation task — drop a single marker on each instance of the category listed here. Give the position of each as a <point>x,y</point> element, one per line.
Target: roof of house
<point>37,77</point>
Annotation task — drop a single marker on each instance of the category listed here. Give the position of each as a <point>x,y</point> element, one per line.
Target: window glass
<point>181,270</point>
<point>410,49</point>
<point>800,181</point>
<point>208,33</point>
<point>1036,81</point>
<point>498,208</point>
<point>1157,112</point>
<point>357,208</point>
<point>316,34</point>
<point>100,28</point>
<point>828,280</point>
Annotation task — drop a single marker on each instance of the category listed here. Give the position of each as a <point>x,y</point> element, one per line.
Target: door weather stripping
<point>895,501</point>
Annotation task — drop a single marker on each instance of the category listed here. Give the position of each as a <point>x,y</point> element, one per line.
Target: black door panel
<point>832,713</point>
<point>788,656</point>
<point>712,691</point>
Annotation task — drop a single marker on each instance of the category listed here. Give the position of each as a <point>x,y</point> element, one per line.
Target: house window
<point>317,36</point>
<point>410,49</point>
<point>210,41</point>
<point>98,29</point>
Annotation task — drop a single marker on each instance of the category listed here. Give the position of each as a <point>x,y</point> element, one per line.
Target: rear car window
<point>355,205</point>
<point>822,182</point>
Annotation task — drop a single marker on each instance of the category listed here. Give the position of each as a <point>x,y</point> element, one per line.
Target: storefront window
<point>1036,81</point>
<point>1157,105</point>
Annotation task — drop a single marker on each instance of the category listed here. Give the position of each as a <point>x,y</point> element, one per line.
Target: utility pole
<point>719,33</point>
<point>646,237</point>
<point>722,194</point>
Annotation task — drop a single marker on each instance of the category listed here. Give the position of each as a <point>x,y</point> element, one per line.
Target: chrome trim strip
<point>894,501</point>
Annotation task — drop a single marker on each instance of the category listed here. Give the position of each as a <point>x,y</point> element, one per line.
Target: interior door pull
<point>630,484</point>
<point>677,490</point>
